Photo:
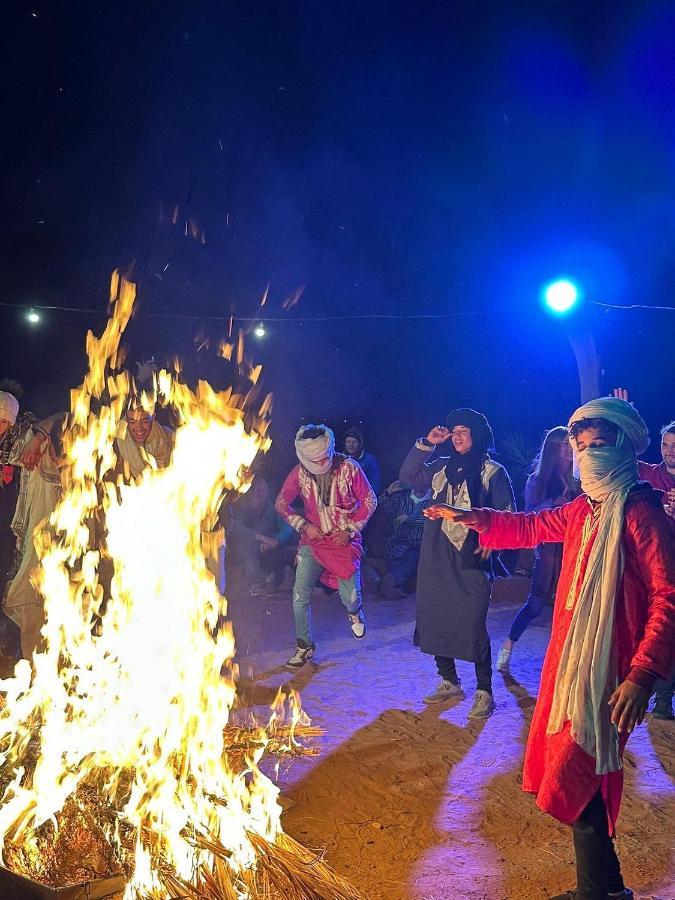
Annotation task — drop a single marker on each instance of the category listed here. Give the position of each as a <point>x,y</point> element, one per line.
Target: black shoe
<point>572,895</point>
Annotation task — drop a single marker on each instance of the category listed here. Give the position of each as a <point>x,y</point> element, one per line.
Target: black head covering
<point>355,433</point>
<point>481,433</point>
<point>467,467</point>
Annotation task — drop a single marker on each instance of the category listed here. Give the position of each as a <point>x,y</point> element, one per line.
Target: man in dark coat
<point>454,578</point>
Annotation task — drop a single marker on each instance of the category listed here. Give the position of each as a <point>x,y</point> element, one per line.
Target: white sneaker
<point>446,690</point>
<point>483,705</point>
<point>504,660</point>
<point>301,656</point>
<point>357,623</point>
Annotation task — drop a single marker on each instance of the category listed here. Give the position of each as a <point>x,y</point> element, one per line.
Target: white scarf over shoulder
<point>587,672</point>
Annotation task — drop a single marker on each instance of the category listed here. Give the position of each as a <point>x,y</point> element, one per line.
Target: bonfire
<point>119,754</point>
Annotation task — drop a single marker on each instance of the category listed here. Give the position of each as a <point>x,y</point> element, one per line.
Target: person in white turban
<point>613,631</point>
<point>338,502</point>
<point>9,410</point>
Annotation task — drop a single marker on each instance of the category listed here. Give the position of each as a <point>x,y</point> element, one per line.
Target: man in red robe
<point>337,503</point>
<point>613,631</point>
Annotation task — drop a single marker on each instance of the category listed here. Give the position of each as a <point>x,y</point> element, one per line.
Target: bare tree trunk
<point>588,364</point>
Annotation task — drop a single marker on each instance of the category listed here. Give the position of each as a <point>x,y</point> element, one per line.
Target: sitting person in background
<point>277,558</point>
<point>550,485</point>
<point>259,541</point>
<point>354,447</point>
<point>402,548</point>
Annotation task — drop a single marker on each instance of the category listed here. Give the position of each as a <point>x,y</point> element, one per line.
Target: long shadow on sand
<point>380,815</point>
<point>537,851</point>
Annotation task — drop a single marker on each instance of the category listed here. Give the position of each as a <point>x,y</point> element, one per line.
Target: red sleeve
<point>502,530</point>
<point>365,497</point>
<point>290,490</point>
<point>652,536</point>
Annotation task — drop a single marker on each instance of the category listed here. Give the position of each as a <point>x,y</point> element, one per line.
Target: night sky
<point>380,157</point>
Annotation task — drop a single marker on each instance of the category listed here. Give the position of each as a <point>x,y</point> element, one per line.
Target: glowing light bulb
<point>561,296</point>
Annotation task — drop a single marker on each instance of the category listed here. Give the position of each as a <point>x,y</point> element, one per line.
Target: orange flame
<point>146,696</point>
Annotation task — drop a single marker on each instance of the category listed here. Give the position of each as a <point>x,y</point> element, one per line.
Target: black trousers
<point>598,869</point>
<point>448,671</point>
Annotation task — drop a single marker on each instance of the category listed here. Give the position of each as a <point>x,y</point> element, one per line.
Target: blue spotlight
<point>561,296</point>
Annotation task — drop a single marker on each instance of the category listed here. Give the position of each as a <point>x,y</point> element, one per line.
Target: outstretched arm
<point>501,530</point>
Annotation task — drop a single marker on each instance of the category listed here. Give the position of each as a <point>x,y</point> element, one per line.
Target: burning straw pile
<point>118,751</point>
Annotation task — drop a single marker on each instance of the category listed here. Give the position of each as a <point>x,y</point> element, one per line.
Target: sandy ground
<point>416,802</point>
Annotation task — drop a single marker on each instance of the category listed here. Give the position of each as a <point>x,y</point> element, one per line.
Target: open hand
<point>445,511</point>
<point>438,435</point>
<point>620,394</point>
<point>313,533</point>
<point>482,553</point>
<point>629,705</point>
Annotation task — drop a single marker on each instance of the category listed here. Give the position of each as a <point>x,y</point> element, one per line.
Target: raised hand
<point>438,435</point>
<point>620,394</point>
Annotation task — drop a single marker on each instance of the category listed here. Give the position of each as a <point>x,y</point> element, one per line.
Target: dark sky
<point>392,158</point>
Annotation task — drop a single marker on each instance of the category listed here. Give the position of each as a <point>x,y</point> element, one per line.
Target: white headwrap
<point>587,673</point>
<point>9,407</point>
<point>311,450</point>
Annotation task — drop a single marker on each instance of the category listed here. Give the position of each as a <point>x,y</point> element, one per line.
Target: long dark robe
<point>453,586</point>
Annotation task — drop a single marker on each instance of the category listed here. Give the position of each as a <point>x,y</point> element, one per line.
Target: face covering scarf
<point>311,450</point>
<point>587,673</point>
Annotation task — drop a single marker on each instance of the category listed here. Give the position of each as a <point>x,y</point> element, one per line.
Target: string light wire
<point>304,319</point>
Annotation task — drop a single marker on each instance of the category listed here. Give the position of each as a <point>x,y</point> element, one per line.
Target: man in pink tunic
<point>337,503</point>
<point>613,632</point>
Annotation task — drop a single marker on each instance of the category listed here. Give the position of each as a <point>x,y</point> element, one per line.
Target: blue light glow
<point>561,296</point>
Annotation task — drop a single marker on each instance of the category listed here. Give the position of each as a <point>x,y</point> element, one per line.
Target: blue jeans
<point>548,558</point>
<point>306,576</point>
<point>527,612</point>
